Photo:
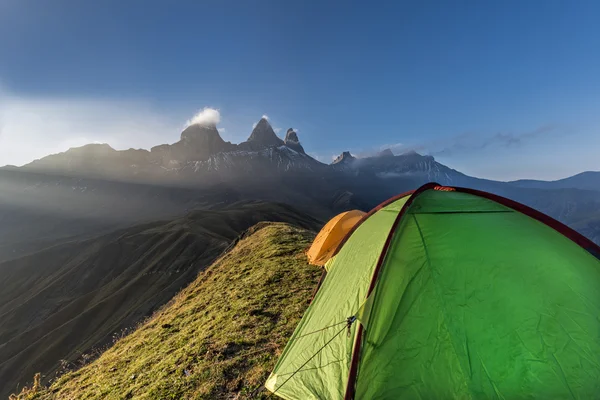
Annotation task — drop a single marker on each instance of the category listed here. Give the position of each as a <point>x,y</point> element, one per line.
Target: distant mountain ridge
<point>200,149</point>
<point>263,167</point>
<point>201,156</point>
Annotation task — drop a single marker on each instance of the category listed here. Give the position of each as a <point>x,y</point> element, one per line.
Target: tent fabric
<point>473,300</point>
<point>340,296</point>
<point>331,235</point>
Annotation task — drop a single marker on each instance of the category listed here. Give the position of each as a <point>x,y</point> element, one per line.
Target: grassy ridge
<point>68,301</point>
<point>219,337</point>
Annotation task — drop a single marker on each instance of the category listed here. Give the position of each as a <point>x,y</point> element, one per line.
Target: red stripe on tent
<point>561,228</point>
<point>444,188</point>
<point>358,341</point>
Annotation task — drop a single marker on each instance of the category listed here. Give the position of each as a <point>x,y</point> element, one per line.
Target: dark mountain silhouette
<point>344,159</point>
<point>103,185</point>
<point>262,136</point>
<point>95,188</point>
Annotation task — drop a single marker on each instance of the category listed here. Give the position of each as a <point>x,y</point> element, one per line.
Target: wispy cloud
<point>469,142</point>
<point>206,116</point>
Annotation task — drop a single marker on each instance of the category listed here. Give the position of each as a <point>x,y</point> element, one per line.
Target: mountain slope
<point>38,210</point>
<point>41,209</point>
<point>218,338</point>
<point>68,299</point>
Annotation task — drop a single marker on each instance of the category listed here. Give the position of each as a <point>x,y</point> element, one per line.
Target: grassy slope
<point>219,337</point>
<point>87,291</point>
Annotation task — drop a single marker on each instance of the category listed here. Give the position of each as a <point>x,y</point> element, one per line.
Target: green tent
<point>450,293</point>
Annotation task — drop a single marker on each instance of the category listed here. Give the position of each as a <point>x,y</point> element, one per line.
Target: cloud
<point>276,130</point>
<point>469,141</point>
<point>222,130</point>
<point>206,117</point>
<point>264,116</point>
<point>33,127</point>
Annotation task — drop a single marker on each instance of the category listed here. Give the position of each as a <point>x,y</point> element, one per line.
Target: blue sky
<point>503,90</point>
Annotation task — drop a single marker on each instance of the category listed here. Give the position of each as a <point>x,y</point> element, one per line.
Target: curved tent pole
<point>358,340</point>
<point>351,231</point>
<point>367,215</point>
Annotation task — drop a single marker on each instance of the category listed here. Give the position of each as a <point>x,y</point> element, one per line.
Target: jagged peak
<point>291,136</point>
<point>345,157</point>
<point>292,141</point>
<point>264,134</point>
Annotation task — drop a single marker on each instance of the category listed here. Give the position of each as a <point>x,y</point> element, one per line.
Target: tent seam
<point>442,305</point>
<point>354,358</point>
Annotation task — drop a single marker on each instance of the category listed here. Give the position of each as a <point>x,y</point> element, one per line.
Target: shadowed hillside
<point>66,300</point>
<point>218,338</point>
<point>40,210</point>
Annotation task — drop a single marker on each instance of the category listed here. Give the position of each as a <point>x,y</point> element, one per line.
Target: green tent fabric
<point>460,294</point>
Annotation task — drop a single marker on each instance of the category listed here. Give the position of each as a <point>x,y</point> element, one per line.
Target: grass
<point>218,338</point>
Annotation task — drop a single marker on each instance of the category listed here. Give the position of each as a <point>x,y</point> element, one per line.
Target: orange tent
<point>331,236</point>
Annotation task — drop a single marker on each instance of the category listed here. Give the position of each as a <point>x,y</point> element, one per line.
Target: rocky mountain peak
<point>198,142</point>
<point>292,141</point>
<point>345,157</point>
<point>263,134</point>
<point>291,136</point>
<point>202,136</point>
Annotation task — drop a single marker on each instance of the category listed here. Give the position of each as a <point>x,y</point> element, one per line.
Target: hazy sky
<point>503,90</point>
